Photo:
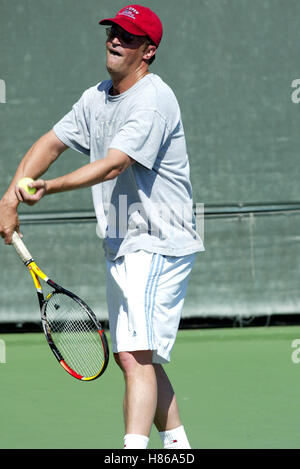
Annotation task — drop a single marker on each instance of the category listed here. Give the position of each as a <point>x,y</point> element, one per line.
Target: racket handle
<point>20,248</point>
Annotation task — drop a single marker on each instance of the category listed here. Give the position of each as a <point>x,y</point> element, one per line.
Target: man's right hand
<point>9,220</point>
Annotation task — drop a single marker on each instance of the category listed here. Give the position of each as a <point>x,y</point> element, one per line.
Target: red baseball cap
<point>138,20</point>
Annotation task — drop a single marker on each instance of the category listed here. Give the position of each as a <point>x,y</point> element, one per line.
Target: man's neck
<point>120,85</point>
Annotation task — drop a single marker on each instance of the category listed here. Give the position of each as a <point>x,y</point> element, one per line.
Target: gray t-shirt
<point>149,206</point>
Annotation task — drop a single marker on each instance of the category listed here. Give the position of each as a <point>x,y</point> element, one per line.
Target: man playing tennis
<point>130,127</point>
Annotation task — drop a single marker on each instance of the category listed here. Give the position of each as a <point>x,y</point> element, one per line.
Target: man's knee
<point>130,362</point>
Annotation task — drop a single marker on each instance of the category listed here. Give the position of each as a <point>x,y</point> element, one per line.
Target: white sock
<point>132,441</point>
<point>175,438</point>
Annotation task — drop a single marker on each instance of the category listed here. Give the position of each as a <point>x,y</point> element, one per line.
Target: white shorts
<point>145,296</point>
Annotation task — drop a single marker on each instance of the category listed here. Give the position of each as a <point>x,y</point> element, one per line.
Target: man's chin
<point>111,68</point>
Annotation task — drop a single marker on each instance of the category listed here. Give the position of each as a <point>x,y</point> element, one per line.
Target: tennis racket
<point>71,328</point>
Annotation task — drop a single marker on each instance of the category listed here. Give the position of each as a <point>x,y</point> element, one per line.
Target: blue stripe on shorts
<point>150,293</point>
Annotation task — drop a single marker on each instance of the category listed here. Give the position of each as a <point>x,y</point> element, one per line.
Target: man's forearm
<point>35,163</point>
<point>90,174</point>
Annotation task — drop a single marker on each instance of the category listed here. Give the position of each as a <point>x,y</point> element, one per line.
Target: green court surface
<point>236,388</point>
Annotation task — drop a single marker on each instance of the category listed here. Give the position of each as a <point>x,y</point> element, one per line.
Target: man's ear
<point>149,52</point>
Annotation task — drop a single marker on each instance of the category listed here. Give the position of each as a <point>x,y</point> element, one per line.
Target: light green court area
<point>236,388</point>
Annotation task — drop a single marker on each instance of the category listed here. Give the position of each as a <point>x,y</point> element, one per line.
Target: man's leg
<point>167,418</point>
<point>140,400</point>
<point>167,413</point>
<point>149,396</point>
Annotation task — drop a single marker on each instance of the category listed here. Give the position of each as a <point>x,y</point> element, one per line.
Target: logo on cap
<point>129,11</point>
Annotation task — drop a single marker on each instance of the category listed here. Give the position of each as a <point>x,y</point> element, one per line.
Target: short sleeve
<point>142,136</point>
<point>74,128</point>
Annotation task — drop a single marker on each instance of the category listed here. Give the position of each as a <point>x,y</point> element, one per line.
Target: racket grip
<point>20,248</point>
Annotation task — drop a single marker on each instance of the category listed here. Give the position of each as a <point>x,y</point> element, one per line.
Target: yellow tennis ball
<point>24,184</point>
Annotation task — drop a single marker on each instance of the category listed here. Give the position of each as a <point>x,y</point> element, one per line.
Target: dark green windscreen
<point>231,64</point>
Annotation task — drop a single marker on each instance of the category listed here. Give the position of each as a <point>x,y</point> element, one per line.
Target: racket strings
<point>75,335</point>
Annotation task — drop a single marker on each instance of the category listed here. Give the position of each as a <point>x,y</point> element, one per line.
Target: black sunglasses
<point>121,33</point>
